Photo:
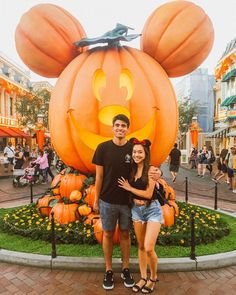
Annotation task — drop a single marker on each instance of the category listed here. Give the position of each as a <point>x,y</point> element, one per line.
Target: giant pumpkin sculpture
<point>105,81</point>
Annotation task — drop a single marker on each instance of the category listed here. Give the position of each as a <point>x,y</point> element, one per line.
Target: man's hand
<point>96,206</point>
<point>154,173</point>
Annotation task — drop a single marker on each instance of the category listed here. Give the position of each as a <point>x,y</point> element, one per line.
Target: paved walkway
<point>20,280</point>
<point>15,279</point>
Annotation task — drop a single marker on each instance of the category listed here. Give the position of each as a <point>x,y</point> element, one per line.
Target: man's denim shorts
<point>144,213</point>
<point>113,213</point>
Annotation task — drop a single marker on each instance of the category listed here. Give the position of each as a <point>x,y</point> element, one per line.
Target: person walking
<point>193,158</point>
<point>174,162</point>
<point>203,161</point>
<point>112,159</point>
<point>42,160</point>
<point>221,166</point>
<point>19,159</point>
<point>146,213</point>
<point>229,164</point>
<point>211,159</point>
<point>50,154</point>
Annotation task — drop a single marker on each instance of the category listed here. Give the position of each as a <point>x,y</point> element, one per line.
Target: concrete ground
<point>16,279</point>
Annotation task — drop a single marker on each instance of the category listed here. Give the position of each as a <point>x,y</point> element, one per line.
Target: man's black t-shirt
<point>115,160</point>
<point>175,155</point>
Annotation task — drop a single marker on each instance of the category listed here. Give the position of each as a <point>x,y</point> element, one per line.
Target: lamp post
<point>40,131</point>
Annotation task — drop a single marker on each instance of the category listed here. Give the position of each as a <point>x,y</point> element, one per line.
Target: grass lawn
<point>17,243</point>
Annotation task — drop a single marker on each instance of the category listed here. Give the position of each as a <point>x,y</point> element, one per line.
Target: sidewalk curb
<point>97,264</point>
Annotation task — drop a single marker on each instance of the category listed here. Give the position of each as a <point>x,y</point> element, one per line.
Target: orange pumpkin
<point>99,84</point>
<point>56,183</point>
<point>84,210</point>
<point>44,39</point>
<point>168,215</point>
<point>179,35</point>
<point>98,232</point>
<point>91,218</point>
<point>65,213</point>
<point>71,182</point>
<point>175,206</point>
<point>43,204</point>
<point>90,195</point>
<point>75,196</point>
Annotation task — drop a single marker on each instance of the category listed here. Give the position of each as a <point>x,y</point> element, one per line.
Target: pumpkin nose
<point>107,113</point>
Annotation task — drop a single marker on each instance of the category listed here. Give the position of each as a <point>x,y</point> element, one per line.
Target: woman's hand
<point>96,206</point>
<point>124,184</point>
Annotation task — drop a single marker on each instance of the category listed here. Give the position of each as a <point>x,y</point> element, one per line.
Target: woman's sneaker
<point>108,281</point>
<point>127,278</point>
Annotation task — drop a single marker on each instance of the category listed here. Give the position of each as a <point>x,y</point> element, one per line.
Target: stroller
<point>23,177</point>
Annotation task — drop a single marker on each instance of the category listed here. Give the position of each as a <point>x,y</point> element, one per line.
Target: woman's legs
<point>140,231</point>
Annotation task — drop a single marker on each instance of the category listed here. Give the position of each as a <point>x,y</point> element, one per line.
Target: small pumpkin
<point>90,195</point>
<point>55,184</point>
<point>98,232</point>
<point>65,213</point>
<point>75,196</point>
<point>43,204</point>
<point>84,210</point>
<point>71,182</point>
<point>179,36</point>
<point>168,215</point>
<point>44,39</point>
<point>91,218</point>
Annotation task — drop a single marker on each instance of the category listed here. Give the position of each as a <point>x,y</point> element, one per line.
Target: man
<point>112,159</point>
<point>174,162</point>
<point>230,166</point>
<point>50,154</point>
<point>10,151</point>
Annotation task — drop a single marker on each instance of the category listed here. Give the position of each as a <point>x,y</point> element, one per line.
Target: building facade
<point>198,87</point>
<point>225,94</point>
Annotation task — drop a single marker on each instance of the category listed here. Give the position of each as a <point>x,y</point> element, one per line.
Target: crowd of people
<point>20,157</point>
<point>204,160</point>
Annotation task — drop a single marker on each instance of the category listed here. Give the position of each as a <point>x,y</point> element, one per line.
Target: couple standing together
<point>123,177</point>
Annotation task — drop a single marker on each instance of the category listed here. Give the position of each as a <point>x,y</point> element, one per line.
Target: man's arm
<point>98,186</point>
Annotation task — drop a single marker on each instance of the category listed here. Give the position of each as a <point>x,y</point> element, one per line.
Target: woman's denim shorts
<point>144,213</point>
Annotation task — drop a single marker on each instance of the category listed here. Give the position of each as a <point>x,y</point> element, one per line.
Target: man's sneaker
<point>127,278</point>
<point>108,281</point>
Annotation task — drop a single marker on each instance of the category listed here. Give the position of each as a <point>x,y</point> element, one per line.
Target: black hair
<point>146,162</point>
<point>121,117</point>
<point>175,145</point>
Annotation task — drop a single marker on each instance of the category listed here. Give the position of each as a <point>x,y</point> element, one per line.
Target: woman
<point>146,213</point>
<point>19,159</point>
<point>42,160</point>
<point>211,159</point>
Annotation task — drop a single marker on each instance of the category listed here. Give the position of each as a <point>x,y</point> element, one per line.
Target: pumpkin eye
<point>99,81</point>
<point>126,81</point>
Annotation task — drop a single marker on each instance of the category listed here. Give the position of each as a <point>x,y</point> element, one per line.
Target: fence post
<point>54,252</point>
<point>216,196</point>
<point>31,192</point>
<point>186,189</point>
<point>192,224</point>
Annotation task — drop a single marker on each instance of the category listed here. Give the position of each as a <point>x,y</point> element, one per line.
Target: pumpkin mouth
<point>92,140</point>
<point>107,113</point>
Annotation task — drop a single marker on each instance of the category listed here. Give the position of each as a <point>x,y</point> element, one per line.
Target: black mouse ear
<point>147,142</point>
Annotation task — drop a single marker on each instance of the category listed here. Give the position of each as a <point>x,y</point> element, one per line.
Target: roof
<point>230,46</point>
<point>6,131</point>
<point>231,133</point>
<point>229,100</point>
<point>229,75</point>
<point>219,132</point>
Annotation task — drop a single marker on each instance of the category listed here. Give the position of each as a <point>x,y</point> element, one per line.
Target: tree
<point>28,107</point>
<point>187,110</point>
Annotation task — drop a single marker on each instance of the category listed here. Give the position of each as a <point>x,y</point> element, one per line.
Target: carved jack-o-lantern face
<point>102,83</point>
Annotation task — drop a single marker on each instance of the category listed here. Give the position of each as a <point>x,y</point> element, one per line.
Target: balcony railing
<point>8,121</point>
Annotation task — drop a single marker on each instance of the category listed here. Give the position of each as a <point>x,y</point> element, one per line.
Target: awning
<point>229,75</point>
<point>12,132</point>
<point>221,132</point>
<point>229,100</point>
<point>231,133</point>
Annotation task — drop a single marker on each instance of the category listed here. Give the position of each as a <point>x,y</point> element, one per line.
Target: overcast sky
<point>97,17</point>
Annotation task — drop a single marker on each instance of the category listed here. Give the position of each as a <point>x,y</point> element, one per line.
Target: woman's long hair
<point>146,165</point>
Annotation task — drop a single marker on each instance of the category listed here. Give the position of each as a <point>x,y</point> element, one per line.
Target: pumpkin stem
<point>112,38</point>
